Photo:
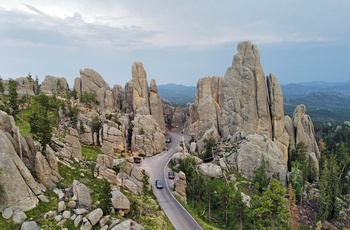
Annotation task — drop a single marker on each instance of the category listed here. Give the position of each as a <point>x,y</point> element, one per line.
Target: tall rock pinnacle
<point>245,100</point>
<point>140,89</point>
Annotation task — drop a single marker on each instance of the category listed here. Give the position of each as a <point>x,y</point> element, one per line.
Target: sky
<point>177,41</point>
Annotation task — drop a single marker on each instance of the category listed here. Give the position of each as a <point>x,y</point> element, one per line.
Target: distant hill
<point>325,101</point>
<point>178,95</point>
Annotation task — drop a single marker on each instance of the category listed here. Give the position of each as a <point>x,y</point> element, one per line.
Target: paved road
<point>157,168</point>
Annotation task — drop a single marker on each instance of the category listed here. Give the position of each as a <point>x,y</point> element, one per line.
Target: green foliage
<point>1,186</point>
<point>329,186</point>
<point>260,181</point>
<point>73,113</point>
<point>96,126</point>
<point>88,99</point>
<point>13,97</point>
<point>1,86</point>
<point>269,211</point>
<point>81,127</point>
<point>141,131</point>
<point>90,153</point>
<point>105,196</point>
<point>297,181</point>
<point>74,94</point>
<point>40,122</point>
<point>209,143</point>
<point>299,155</point>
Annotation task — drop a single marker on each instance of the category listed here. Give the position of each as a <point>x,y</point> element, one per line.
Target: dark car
<point>171,175</point>
<point>159,184</point>
<point>168,139</point>
<point>137,160</point>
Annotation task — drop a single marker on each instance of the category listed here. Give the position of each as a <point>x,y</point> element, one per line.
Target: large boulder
<point>256,149</point>
<point>81,194</point>
<point>15,174</point>
<point>73,144</point>
<point>54,85</point>
<point>46,168</point>
<point>210,170</point>
<point>128,225</point>
<point>119,200</point>
<point>180,185</point>
<point>113,139</point>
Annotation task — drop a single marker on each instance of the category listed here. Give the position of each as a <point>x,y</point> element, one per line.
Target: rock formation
<point>147,138</point>
<point>15,174</point>
<point>140,90</point>
<point>91,82</point>
<point>245,101</point>
<point>156,106</point>
<point>54,85</point>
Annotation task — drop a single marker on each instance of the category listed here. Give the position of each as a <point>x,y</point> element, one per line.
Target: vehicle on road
<point>137,160</point>
<point>171,175</point>
<point>159,184</point>
<point>168,139</point>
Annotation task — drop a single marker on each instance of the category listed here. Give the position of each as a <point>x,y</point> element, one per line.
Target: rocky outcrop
<point>73,144</point>
<point>91,82</point>
<point>81,194</point>
<point>26,86</point>
<point>256,149</point>
<point>210,170</point>
<point>140,90</point>
<point>127,105</point>
<point>156,106</point>
<point>119,200</point>
<point>15,174</point>
<point>46,168</point>
<point>54,85</point>
<point>279,134</point>
<point>208,102</point>
<point>131,177</point>
<point>113,136</point>
<point>304,130</point>
<point>180,185</point>
<point>147,138</point>
<point>245,100</point>
<point>104,169</point>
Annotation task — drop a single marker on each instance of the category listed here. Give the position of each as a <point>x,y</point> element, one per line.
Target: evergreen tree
<point>239,213</point>
<point>13,97</point>
<point>260,181</point>
<point>1,86</point>
<point>40,121</point>
<point>329,189</point>
<point>297,181</point>
<point>96,126</point>
<point>105,197</point>
<point>269,211</point>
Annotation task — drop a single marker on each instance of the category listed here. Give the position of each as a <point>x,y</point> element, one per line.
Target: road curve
<point>156,166</point>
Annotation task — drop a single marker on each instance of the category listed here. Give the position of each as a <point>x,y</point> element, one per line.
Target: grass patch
<point>90,153</point>
<point>22,122</point>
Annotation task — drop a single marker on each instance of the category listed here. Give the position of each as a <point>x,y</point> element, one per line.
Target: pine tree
<point>270,209</point>
<point>105,197</point>
<point>13,97</point>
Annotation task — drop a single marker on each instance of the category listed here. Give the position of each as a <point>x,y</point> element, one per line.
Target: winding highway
<point>157,167</point>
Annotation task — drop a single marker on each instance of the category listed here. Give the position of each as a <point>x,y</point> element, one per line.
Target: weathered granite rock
<point>119,97</point>
<point>119,200</point>
<point>46,168</point>
<point>30,225</point>
<point>208,102</point>
<point>73,144</point>
<point>127,105</point>
<point>95,216</point>
<point>140,89</point>
<point>54,85</point>
<point>180,185</point>
<point>304,130</point>
<point>7,213</point>
<point>113,139</point>
<point>16,175</point>
<point>156,107</point>
<point>26,86</point>
<point>245,101</point>
<point>131,177</point>
<point>61,206</point>
<point>128,225</point>
<point>279,134</point>
<point>19,216</point>
<point>210,170</point>
<point>147,138</point>
<point>81,193</point>
<point>256,149</point>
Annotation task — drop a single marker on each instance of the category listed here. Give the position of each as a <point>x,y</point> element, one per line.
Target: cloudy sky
<point>177,41</point>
